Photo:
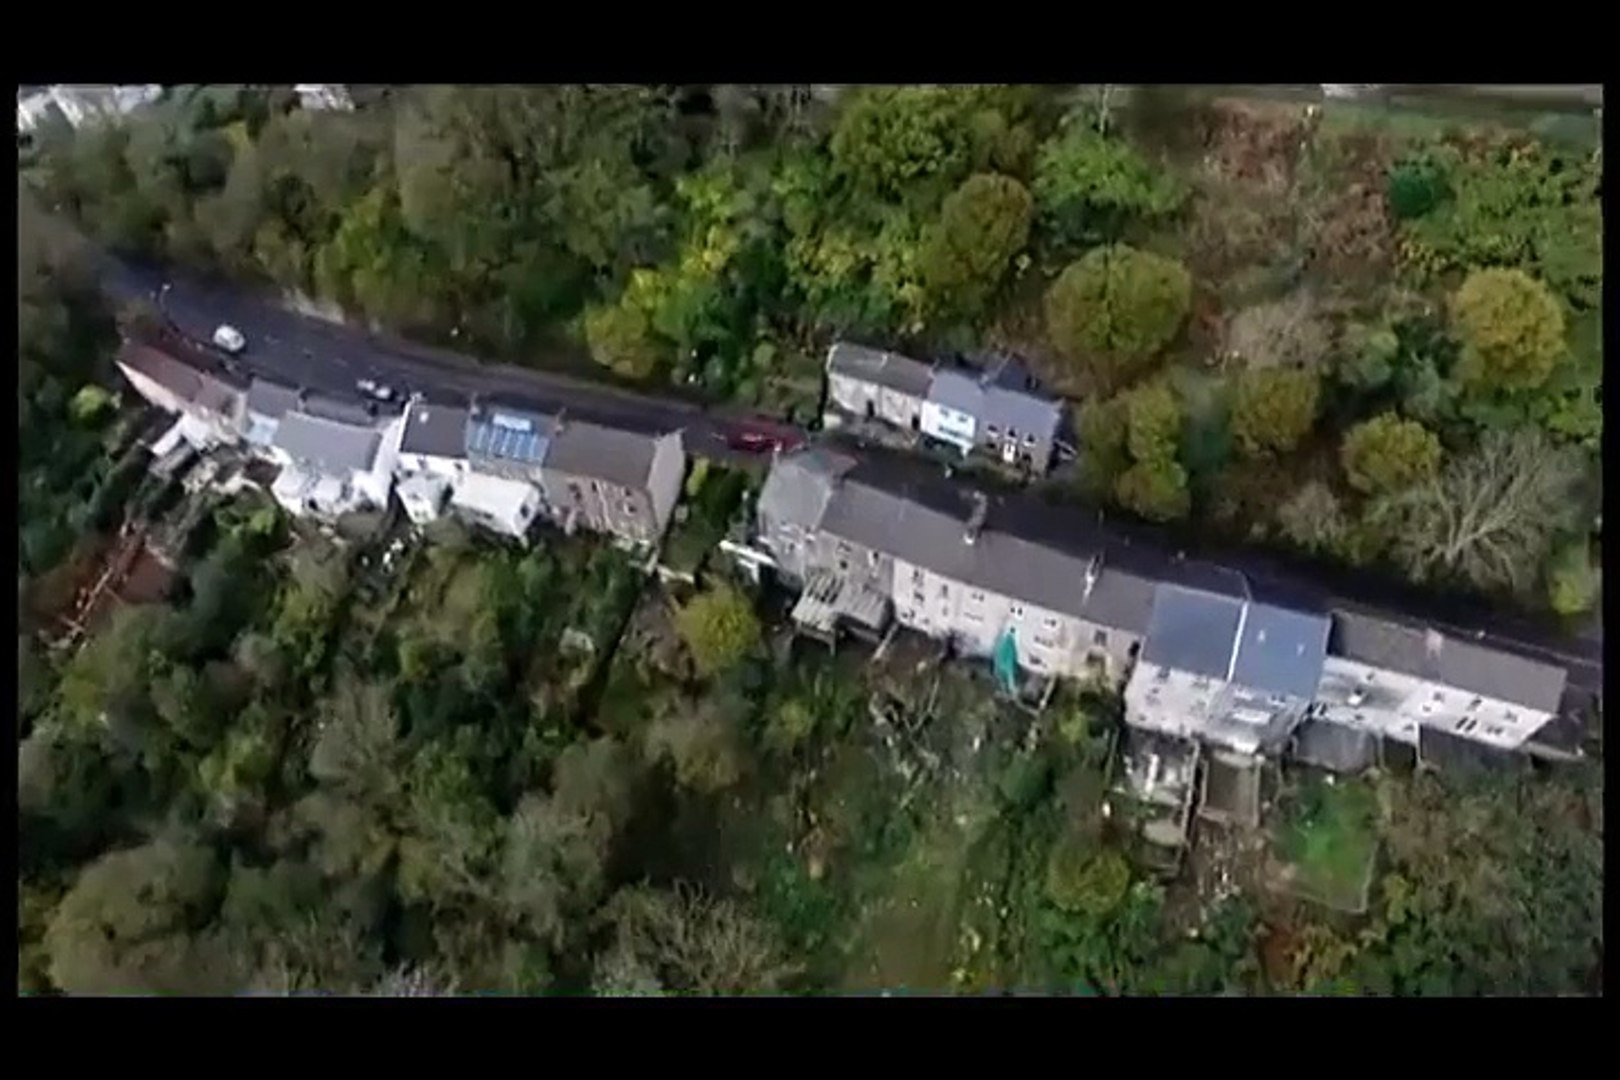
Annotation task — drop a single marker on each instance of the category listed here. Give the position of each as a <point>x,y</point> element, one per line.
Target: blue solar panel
<point>506,437</point>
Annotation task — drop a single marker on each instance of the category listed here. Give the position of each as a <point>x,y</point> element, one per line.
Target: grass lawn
<point>1329,839</point>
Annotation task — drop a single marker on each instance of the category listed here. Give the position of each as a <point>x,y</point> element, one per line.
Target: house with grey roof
<point>994,409</point>
<point>1395,679</point>
<point>873,384</point>
<point>1224,667</point>
<point>611,480</point>
<point>953,567</point>
<point>435,439</point>
<point>267,403</point>
<point>333,466</point>
<point>952,409</point>
<point>207,397</point>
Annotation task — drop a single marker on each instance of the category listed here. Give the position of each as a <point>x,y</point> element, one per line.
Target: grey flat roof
<point>882,368</point>
<point>437,430</point>
<point>334,447</point>
<point>1192,630</point>
<point>337,409</point>
<point>1281,651</point>
<point>1336,747</point>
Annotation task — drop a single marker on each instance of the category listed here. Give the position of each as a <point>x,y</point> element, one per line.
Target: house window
<point>944,591</point>
<point>1494,731</point>
<point>1029,440</point>
<point>1050,622</point>
<point>1018,611</point>
<point>918,597</point>
<point>843,564</point>
<point>916,577</point>
<point>1472,705</point>
<point>1439,697</point>
<point>1161,675</point>
<point>1511,717</point>
<point>978,597</point>
<point>991,428</point>
<point>1099,637</point>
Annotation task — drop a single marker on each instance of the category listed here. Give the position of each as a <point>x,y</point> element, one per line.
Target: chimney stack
<point>975,523</point>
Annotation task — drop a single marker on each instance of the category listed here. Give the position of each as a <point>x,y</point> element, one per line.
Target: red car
<point>759,438</point>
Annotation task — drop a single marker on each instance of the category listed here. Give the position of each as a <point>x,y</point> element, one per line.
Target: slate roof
<point>1281,651</point>
<point>954,390</point>
<point>1383,642</point>
<point>881,368</point>
<point>601,453</point>
<point>271,399</point>
<point>435,430</point>
<point>800,484</point>
<point>928,526</point>
<point>505,435</point>
<point>1018,411</point>
<point>338,410</point>
<point>334,447</point>
<point>1192,630</point>
<point>1121,598</point>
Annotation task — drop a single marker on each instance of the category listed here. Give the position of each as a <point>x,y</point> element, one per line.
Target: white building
<point>508,507</point>
<point>82,106</point>
<point>332,466</point>
<point>320,97</point>
<point>423,496</point>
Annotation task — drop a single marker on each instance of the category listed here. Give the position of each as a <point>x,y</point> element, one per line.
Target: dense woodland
<point>532,771</point>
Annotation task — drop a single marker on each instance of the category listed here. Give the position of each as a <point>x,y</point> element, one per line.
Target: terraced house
<point>865,546</point>
<point>993,408</point>
<point>503,466</point>
<point>208,400</point>
<point>1206,653</point>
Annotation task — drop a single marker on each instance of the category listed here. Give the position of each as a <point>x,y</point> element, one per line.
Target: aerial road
<point>332,357</point>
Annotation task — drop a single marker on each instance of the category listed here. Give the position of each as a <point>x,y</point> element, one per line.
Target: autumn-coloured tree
<point>1273,410</point>
<point>1511,327</point>
<point>1386,454</point>
<point>983,225</point>
<point>1116,308</point>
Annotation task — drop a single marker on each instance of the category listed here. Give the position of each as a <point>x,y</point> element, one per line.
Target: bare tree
<point>1283,333</point>
<point>1489,516</point>
<point>686,941</point>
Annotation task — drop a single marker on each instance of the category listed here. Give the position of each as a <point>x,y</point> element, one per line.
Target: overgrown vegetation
<point>538,772</point>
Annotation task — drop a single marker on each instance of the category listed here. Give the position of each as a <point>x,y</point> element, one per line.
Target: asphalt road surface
<point>331,357</point>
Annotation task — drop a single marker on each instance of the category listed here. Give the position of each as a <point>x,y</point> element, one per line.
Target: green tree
<point>1082,879</point>
<point>1155,489</point>
<point>1102,426</point>
<point>894,141</point>
<point>983,225</point>
<point>1090,187</point>
<point>719,628</point>
<point>1273,410</point>
<point>1386,454</point>
<point>1115,309</point>
<point>702,743</point>
<point>1573,580</point>
<point>1512,330</point>
<point>124,926</point>
<point>1154,417</point>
